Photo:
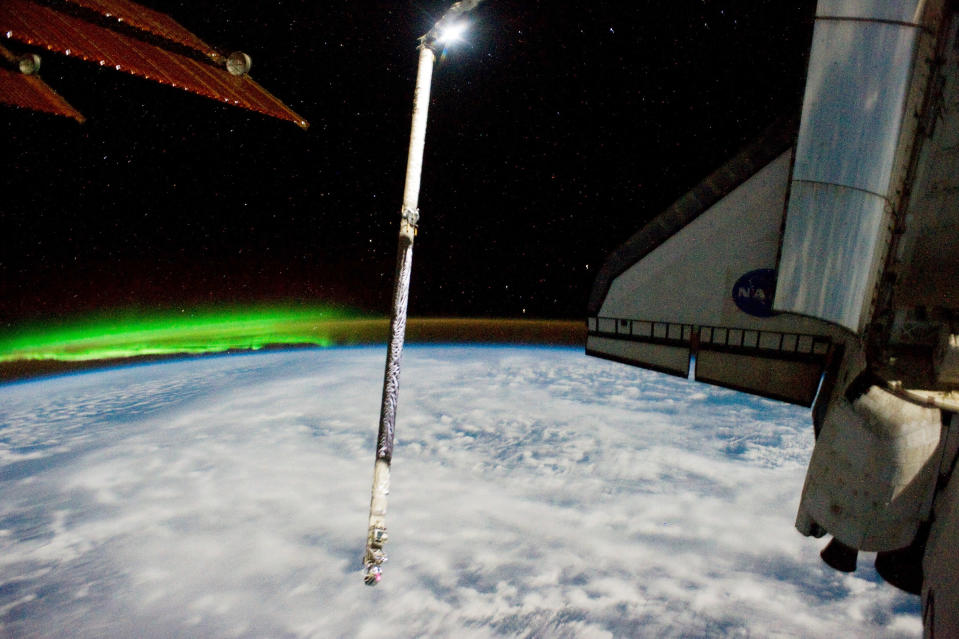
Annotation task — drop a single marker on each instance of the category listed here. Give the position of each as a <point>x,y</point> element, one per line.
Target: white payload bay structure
<point>820,266</point>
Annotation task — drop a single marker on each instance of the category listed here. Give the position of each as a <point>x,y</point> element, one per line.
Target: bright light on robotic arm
<point>452,32</point>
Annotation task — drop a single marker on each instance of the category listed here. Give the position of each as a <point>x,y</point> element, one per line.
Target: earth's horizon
<point>82,351</point>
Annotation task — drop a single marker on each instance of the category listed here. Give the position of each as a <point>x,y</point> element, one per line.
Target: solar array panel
<point>64,32</point>
<point>147,20</point>
<point>30,92</point>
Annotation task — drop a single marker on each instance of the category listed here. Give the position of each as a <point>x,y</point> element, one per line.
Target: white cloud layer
<point>536,493</point>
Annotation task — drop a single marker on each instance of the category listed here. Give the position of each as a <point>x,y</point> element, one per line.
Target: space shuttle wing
<point>776,364</point>
<point>692,291</point>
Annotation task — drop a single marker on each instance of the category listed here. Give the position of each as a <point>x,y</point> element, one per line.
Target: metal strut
<point>374,557</point>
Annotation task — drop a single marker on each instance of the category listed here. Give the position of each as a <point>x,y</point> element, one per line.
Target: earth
<point>536,493</point>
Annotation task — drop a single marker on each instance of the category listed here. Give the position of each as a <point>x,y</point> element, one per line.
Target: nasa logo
<point>753,292</point>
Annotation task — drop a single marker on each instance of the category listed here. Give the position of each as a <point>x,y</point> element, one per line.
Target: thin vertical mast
<point>374,557</point>
<point>444,31</point>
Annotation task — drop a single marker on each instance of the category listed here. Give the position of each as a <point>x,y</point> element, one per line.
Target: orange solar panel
<point>42,26</point>
<point>148,20</point>
<point>30,92</point>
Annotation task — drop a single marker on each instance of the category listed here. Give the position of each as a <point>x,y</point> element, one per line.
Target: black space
<point>555,130</point>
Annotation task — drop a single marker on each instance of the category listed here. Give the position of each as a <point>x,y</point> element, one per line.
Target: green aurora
<point>117,337</point>
<point>131,334</point>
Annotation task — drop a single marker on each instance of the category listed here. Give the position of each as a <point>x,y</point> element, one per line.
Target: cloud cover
<point>536,492</point>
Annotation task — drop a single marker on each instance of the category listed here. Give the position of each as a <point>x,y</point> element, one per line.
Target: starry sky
<point>555,130</point>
